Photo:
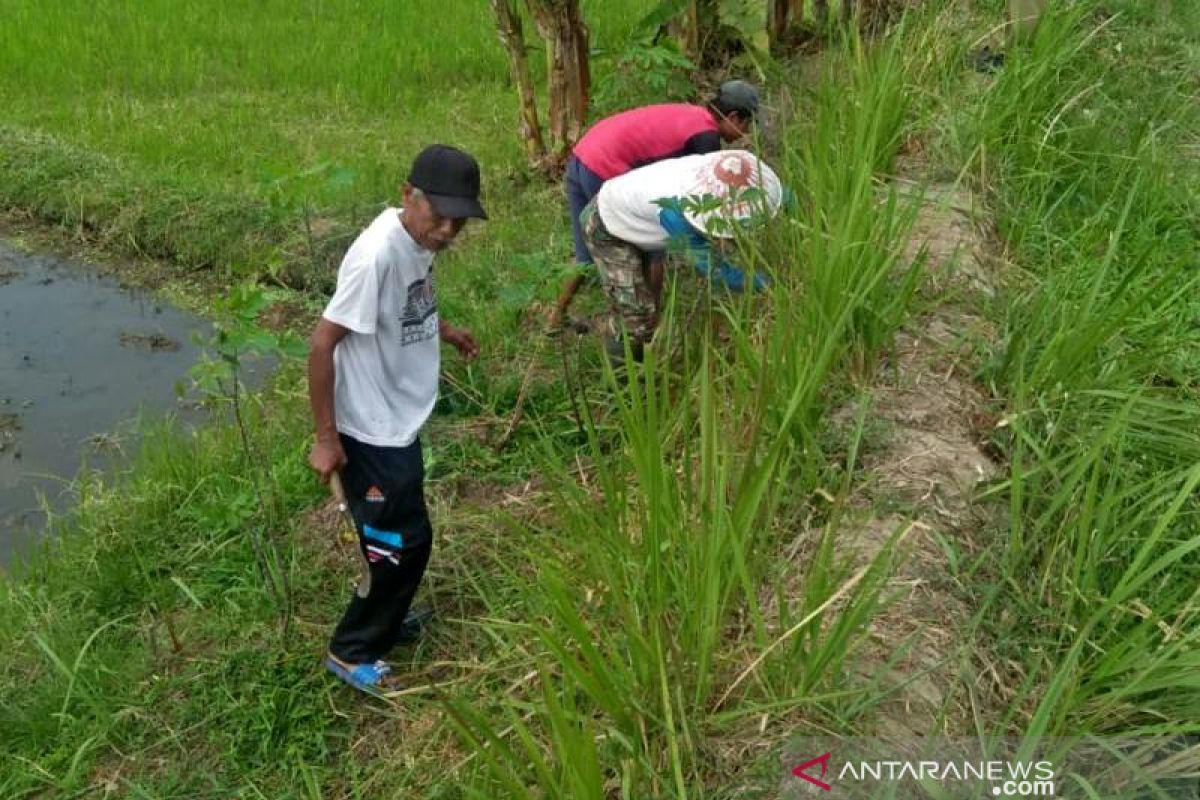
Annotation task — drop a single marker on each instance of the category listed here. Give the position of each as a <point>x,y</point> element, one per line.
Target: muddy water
<point>79,357</point>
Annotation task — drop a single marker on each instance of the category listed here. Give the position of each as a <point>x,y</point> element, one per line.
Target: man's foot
<point>554,324</point>
<point>414,622</point>
<point>374,679</point>
<point>557,326</point>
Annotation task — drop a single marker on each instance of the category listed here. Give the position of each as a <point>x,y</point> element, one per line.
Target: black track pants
<point>385,489</point>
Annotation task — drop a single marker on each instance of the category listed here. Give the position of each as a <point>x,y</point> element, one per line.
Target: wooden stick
<point>339,496</point>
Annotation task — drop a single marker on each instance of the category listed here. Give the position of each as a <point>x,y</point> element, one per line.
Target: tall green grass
<point>658,610</point>
<point>147,589</point>
<point>679,587</point>
<point>1097,369</point>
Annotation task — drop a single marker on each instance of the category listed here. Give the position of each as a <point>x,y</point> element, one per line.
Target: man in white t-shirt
<point>372,382</point>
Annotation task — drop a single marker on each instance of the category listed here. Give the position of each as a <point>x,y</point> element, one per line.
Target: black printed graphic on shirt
<point>418,321</point>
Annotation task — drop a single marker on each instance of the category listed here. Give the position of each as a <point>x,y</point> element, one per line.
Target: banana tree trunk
<point>508,22</point>
<point>691,31</point>
<point>697,30</point>
<point>560,23</point>
<point>778,21</point>
<point>821,12</point>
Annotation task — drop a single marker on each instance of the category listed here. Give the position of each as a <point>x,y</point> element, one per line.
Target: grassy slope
<point>1086,147</point>
<point>667,578</point>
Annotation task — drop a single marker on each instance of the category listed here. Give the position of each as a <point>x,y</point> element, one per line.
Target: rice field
<point>661,584</point>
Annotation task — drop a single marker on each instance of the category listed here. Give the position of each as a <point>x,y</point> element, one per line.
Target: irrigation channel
<point>80,358</point>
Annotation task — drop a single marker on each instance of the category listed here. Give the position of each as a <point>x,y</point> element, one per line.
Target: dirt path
<point>923,468</point>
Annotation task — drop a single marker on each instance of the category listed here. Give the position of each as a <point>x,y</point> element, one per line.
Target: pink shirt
<point>640,136</point>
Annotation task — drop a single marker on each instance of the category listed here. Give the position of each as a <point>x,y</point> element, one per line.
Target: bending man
<point>641,136</point>
<point>682,202</point>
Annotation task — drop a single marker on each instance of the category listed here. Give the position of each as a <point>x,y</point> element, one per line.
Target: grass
<point>647,592</point>
<point>211,135</point>
<point>269,98</point>
<point>672,643</point>
<point>1082,160</point>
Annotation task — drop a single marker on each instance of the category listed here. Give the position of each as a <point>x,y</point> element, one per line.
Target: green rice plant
<point>1104,563</point>
<point>1101,559</point>
<point>1107,541</point>
<point>632,605</point>
<point>522,770</point>
<point>229,90</point>
<point>647,600</point>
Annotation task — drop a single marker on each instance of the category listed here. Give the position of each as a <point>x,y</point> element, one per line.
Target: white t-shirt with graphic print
<point>387,366</point>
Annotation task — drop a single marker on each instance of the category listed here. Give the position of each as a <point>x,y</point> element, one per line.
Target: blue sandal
<point>370,678</point>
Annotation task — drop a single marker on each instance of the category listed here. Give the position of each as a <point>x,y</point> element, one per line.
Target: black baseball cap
<point>450,179</point>
<point>739,96</point>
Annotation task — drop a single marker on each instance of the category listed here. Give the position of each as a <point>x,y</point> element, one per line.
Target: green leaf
<point>660,15</point>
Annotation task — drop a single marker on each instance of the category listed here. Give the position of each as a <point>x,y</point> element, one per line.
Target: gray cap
<point>737,96</point>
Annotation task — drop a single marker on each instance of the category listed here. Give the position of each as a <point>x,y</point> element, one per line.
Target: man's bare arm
<point>461,338</point>
<point>327,454</point>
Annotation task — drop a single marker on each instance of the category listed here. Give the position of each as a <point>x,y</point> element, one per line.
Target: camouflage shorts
<point>624,272</point>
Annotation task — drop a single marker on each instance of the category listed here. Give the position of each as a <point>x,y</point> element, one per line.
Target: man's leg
<point>633,310</point>
<point>385,490</point>
<point>581,186</point>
